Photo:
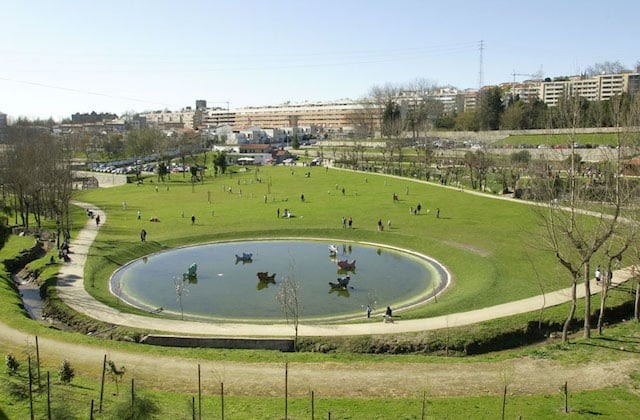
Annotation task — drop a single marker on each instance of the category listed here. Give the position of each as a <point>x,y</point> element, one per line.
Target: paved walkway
<point>71,291</point>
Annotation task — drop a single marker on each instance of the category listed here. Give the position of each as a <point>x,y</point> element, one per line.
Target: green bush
<point>11,363</point>
<point>143,407</point>
<point>66,372</point>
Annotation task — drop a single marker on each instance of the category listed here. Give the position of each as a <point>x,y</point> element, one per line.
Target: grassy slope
<point>598,139</point>
<point>606,402</point>
<point>487,245</point>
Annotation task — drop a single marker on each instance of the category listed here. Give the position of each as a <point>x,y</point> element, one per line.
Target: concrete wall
<point>282,344</point>
<point>104,180</point>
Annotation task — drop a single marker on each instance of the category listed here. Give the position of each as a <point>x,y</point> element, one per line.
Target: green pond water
<point>226,288</point>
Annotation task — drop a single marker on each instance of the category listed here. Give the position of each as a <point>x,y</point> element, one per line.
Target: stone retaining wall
<point>282,344</point>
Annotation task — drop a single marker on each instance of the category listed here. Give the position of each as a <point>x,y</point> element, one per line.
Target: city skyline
<point>60,58</point>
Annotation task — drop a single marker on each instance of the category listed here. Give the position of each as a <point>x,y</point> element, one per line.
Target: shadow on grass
<point>617,344</point>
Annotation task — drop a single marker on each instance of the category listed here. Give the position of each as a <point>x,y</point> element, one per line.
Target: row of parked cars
<point>110,169</point>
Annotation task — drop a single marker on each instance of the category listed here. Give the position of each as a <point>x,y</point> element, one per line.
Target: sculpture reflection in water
<point>264,279</point>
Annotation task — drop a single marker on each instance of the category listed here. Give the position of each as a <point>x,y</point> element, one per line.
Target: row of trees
<point>35,177</point>
<point>499,110</point>
<point>611,231</point>
<point>132,143</point>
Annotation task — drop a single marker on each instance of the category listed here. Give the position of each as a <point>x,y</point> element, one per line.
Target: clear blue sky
<point>63,56</point>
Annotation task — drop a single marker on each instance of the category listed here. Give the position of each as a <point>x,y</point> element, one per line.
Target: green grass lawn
<point>74,401</point>
<point>491,247</point>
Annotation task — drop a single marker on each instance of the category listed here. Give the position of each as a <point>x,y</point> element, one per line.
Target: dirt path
<point>372,380</point>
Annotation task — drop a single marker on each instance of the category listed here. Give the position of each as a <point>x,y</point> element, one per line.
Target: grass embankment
<point>612,402</point>
<point>74,401</point>
<point>583,140</point>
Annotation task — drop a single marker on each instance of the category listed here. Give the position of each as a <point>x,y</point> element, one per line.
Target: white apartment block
<point>216,116</point>
<point>598,88</point>
<point>171,119</point>
<point>449,97</point>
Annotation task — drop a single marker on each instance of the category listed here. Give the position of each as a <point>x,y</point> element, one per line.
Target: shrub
<point>11,363</point>
<point>143,407</point>
<point>66,372</point>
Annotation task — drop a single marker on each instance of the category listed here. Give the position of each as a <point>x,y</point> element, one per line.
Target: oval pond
<point>228,289</point>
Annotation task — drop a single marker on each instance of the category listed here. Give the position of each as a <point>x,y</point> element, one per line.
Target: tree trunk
<point>572,312</point>
<point>587,303</point>
<point>637,305</point>
<point>603,299</point>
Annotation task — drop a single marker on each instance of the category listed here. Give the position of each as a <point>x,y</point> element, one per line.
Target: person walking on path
<point>368,311</point>
<point>388,315</point>
<point>97,220</point>
<point>598,274</point>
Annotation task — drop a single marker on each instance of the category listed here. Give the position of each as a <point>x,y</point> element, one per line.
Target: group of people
<point>286,214</point>
<point>347,222</point>
<point>388,313</point>
<point>92,215</point>
<point>63,252</point>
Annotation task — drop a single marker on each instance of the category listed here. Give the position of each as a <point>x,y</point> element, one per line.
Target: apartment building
<point>166,119</point>
<point>601,87</point>
<point>450,98</point>
<point>215,117</point>
<point>470,99</point>
<point>322,117</point>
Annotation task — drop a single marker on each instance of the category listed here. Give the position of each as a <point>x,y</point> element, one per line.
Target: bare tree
<point>478,164</point>
<point>364,120</point>
<point>380,96</point>
<point>39,184</point>
<point>607,67</point>
<point>289,299</point>
<point>576,236</point>
<point>180,285</point>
